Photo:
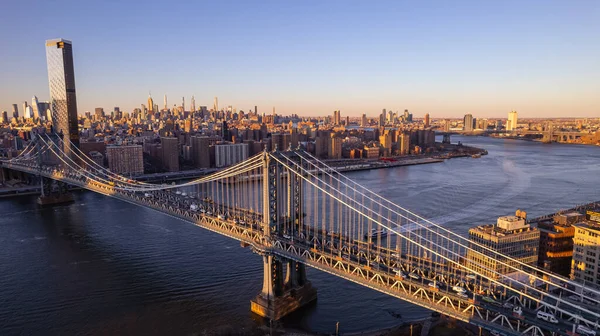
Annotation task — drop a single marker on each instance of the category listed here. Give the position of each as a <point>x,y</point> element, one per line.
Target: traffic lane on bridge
<point>529,317</point>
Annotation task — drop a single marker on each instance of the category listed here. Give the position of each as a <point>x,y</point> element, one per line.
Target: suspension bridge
<point>296,211</point>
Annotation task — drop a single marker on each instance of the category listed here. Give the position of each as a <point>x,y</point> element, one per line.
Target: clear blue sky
<point>446,58</point>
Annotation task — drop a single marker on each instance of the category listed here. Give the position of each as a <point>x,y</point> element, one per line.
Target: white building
<point>230,154</point>
<point>511,123</point>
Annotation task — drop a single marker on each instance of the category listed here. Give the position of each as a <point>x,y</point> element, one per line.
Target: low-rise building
<point>371,152</point>
<point>511,237</point>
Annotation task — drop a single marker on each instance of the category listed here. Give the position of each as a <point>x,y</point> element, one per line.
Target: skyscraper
<point>61,79</point>
<point>337,118</point>
<point>426,121</point>
<point>182,104</point>
<point>28,112</point>
<point>166,106</point>
<point>363,120</point>
<point>216,104</point>
<point>200,151</point>
<point>382,118</point>
<point>15,111</point>
<point>25,114</point>
<point>150,103</point>
<point>36,107</point>
<point>511,124</point>
<point>193,105</point>
<point>170,153</point>
<point>468,122</point>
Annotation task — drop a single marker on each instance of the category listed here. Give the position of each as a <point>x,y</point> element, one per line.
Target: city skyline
<point>353,57</point>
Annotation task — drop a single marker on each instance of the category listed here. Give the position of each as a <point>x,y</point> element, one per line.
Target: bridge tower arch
<point>285,285</point>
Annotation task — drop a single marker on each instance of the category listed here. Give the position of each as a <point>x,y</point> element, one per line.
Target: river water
<point>103,267</point>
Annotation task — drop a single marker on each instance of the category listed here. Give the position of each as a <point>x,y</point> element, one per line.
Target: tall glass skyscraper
<point>61,78</point>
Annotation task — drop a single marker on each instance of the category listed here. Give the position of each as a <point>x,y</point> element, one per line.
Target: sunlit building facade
<point>511,123</point>
<point>511,237</point>
<point>61,79</point>
<point>586,250</point>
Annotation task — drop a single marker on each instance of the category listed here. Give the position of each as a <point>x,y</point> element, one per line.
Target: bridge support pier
<point>54,192</point>
<point>280,296</point>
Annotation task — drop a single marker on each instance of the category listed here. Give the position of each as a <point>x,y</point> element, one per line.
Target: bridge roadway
<point>384,272</point>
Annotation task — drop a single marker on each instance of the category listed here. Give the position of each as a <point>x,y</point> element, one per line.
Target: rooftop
<point>55,41</point>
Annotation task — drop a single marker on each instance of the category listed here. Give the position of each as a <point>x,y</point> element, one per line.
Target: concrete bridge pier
<point>281,296</point>
<point>53,192</point>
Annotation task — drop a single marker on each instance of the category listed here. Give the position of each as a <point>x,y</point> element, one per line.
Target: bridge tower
<point>285,285</point>
<point>52,191</point>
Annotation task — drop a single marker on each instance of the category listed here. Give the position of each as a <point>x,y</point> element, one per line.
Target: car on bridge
<point>414,276</point>
<point>583,330</point>
<point>458,289</point>
<point>400,273</point>
<point>508,305</point>
<point>489,300</point>
<point>463,295</point>
<point>433,285</point>
<point>546,317</point>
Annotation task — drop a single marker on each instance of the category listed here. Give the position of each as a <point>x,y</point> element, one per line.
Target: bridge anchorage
<point>296,211</point>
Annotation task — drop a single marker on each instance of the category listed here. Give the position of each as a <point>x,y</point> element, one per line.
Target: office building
<point>447,125</point>
<point>407,116</point>
<point>44,109</point>
<point>99,113</point>
<point>200,151</point>
<point>334,148</point>
<point>468,123</point>
<point>97,157</point>
<point>426,120</point>
<point>370,152</point>
<point>556,242</point>
<point>511,123</point>
<point>150,104</point>
<point>337,118</point>
<point>512,237</point>
<point>28,113</point>
<point>35,107</point>
<point>230,154</point>
<point>15,111</point>
<point>586,250</point>
<point>364,121</point>
<point>170,153</point>
<point>386,142</point>
<point>404,144</point>
<point>216,104</point>
<point>321,146</point>
<point>127,160</point>
<point>61,79</point>
<point>4,116</point>
<point>382,119</point>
